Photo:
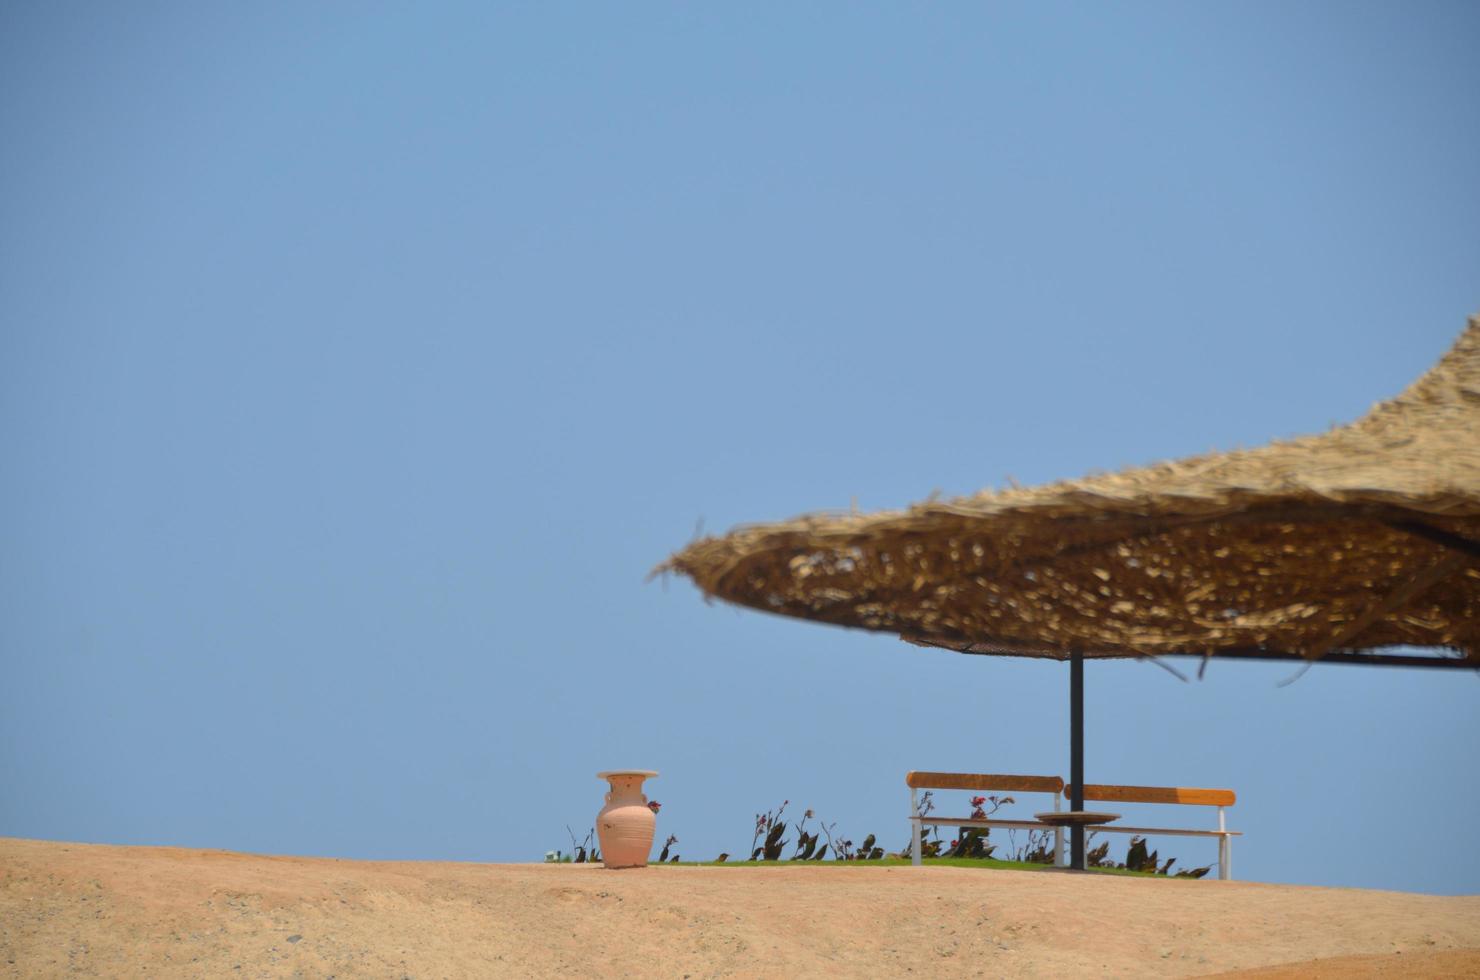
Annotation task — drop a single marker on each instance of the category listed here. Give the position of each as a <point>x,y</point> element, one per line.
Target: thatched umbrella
<point>1327,547</point>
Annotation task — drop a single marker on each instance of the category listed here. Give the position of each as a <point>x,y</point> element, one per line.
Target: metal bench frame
<point>1184,795</point>
<point>917,781</point>
<point>1054,786</point>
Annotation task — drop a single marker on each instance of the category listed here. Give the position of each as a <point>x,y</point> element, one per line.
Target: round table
<point>1069,818</point>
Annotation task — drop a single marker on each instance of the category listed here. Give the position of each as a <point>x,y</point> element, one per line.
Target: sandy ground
<point>92,910</point>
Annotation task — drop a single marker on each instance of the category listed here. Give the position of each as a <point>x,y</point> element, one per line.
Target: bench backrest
<point>1157,794</point>
<point>981,781</point>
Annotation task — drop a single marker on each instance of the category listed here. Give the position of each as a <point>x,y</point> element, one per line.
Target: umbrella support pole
<point>1076,757</point>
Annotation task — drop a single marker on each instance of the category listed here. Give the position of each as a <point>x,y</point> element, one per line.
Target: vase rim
<point>645,773</point>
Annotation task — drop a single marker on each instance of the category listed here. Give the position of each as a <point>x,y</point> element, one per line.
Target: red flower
<point>978,800</point>
<point>655,806</point>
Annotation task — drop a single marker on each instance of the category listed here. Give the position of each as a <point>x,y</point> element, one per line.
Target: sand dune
<point>76,909</point>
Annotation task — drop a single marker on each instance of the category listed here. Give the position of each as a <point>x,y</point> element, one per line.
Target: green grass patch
<point>990,864</point>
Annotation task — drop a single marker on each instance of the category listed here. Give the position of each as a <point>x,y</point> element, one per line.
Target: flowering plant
<point>769,828</point>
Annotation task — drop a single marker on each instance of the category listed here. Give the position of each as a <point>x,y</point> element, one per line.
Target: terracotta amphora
<point>625,825</point>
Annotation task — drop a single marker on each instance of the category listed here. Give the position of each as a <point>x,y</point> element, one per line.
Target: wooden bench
<point>1219,798</point>
<point>917,781</point>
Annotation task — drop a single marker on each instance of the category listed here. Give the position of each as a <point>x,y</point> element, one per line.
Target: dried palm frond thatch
<point>1364,536</point>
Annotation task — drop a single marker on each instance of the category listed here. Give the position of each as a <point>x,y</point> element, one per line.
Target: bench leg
<point>1058,837</point>
<point>1225,848</point>
<point>916,828</point>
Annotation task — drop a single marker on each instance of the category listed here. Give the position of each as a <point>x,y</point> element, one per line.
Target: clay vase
<point>625,825</point>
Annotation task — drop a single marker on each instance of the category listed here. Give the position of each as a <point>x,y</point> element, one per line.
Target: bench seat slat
<point>1097,828</point>
<point>1013,824</point>
<point>1117,829</point>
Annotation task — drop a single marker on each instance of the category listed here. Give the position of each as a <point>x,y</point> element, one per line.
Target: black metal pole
<point>1076,757</point>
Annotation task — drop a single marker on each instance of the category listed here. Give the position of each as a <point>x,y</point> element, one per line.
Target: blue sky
<point>358,362</point>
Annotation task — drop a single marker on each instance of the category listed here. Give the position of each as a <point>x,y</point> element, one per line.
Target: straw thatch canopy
<point>1364,536</point>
